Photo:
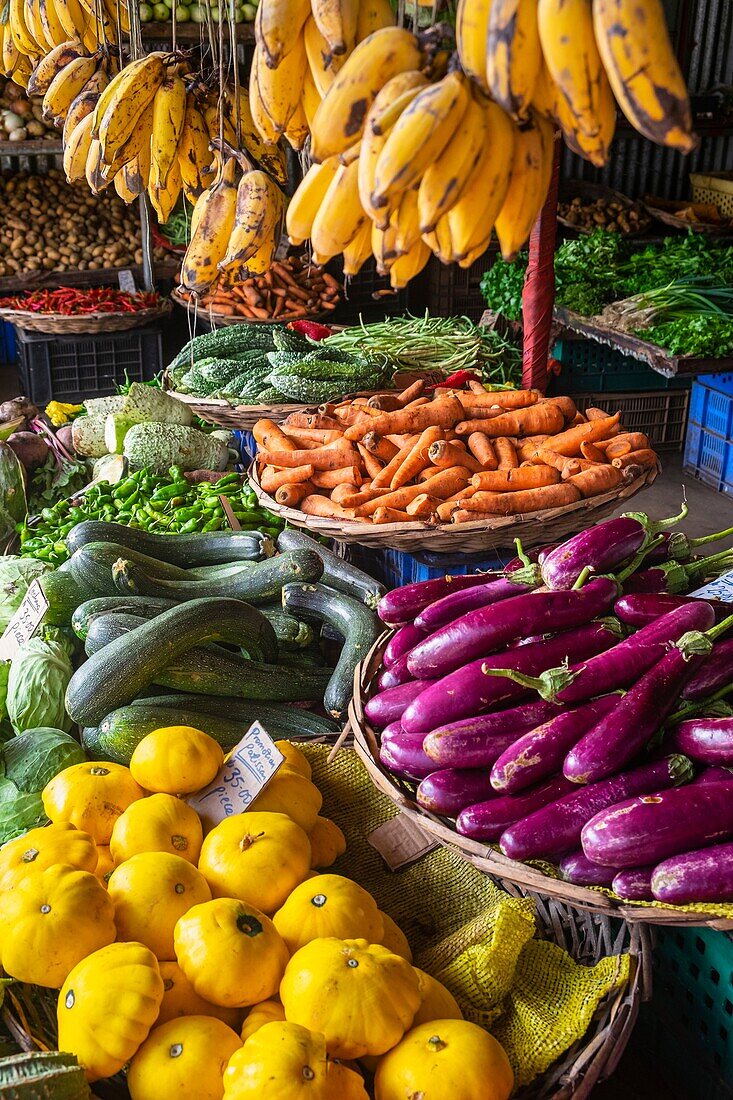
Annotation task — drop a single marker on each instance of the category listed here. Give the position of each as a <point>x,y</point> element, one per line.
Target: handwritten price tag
<point>719,589</point>
<point>246,772</point>
<point>25,622</point>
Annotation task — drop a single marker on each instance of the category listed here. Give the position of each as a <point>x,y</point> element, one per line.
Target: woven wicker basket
<point>486,858</point>
<point>534,529</point>
<point>58,324</point>
<point>234,417</point>
<point>221,320</point>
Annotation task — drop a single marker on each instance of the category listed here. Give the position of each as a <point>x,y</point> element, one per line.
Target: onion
<point>11,121</point>
<point>20,134</point>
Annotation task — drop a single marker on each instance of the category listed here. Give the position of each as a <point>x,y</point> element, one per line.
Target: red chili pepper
<point>311,329</point>
<point>456,381</point>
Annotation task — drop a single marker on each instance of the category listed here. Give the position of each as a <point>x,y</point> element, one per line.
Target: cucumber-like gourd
<point>91,567</point>
<point>215,671</point>
<point>88,435</point>
<point>117,674</point>
<point>337,573</point>
<point>186,551</point>
<point>358,626</point>
<point>260,584</point>
<point>300,722</point>
<point>143,606</point>
<point>63,594</point>
<point>160,446</point>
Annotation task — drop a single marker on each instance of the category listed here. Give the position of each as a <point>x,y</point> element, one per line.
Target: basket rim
<point>29,319</point>
<point>224,319</point>
<point>483,855</point>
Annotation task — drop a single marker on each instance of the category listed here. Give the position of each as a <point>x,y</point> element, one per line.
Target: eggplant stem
<point>638,558</point>
<point>655,526</point>
<point>521,554</point>
<point>703,565</point>
<point>719,628</point>
<point>711,538</point>
<point>586,572</point>
<point>547,686</point>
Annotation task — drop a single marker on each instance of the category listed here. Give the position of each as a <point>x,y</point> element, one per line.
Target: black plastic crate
<point>359,296</point>
<point>660,415</point>
<point>72,368</point>
<point>455,291</point>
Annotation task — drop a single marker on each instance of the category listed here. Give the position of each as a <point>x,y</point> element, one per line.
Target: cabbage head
<point>39,675</point>
<point>16,575</point>
<point>19,811</point>
<point>33,758</point>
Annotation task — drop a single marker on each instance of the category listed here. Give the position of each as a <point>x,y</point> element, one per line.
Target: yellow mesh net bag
<point>465,931</point>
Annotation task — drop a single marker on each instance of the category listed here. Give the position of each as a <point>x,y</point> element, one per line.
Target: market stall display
<point>98,309</point>
<point>586,207</point>
<point>21,116</point>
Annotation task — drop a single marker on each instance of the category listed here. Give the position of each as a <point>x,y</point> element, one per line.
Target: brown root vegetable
<point>18,406</point>
<point>30,449</point>
<point>65,437</point>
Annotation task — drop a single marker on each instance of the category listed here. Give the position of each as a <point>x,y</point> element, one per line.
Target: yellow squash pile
<point>31,29</point>
<point>223,959</point>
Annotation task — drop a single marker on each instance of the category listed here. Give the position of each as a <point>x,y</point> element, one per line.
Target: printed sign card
<point>25,622</point>
<point>247,770</point>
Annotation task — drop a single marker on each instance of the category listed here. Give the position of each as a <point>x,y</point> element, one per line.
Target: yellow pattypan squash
<point>183,1057</point>
<point>105,864</point>
<point>360,996</point>
<point>50,921</point>
<point>256,857</point>
<point>40,848</point>
<point>176,760</point>
<point>259,1015</point>
<point>328,905</point>
<point>394,939</point>
<point>150,892</point>
<point>280,1062</point>
<point>160,823</point>
<point>91,796</point>
<point>445,1060</point>
<point>295,759</point>
<point>343,1083</point>
<point>107,1006</point>
<point>327,842</point>
<point>436,1002</point>
<point>289,792</point>
<point>181,999</point>
<point>231,953</point>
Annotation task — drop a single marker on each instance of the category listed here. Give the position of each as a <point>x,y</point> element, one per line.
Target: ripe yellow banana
<point>10,55</point>
<point>168,118</point>
<point>321,62</point>
<point>66,86</point>
<point>384,248</point>
<point>419,137</point>
<point>101,27</point>
<point>22,72</point>
<point>51,65</point>
<point>440,242</point>
<point>444,179</point>
<point>86,102</point>
<point>164,198</point>
<point>573,61</point>
<point>472,28</point>
<point>593,147</point>
<point>640,63</point>
<point>298,130</point>
<point>534,145</point>
<point>76,150</point>
<point>281,89</point>
<point>472,217</point>
<point>278,26</point>
<point>139,138</point>
<point>261,261</point>
<point>311,98</point>
<point>308,198</point>
<point>406,221</point>
<point>21,33</point>
<point>218,125</point>
<point>407,266</point>
<point>128,183</point>
<point>340,215</point>
<point>93,168</point>
<point>53,28</point>
<point>373,16</point>
<point>513,54</point>
<point>545,93</point>
<point>337,21</point>
<point>35,26</point>
<point>383,120</point>
<point>256,220</point>
<point>270,157</point>
<point>214,223</point>
<point>194,156</point>
<point>372,144</point>
<point>358,251</point>
<point>339,120</point>
<point>124,100</point>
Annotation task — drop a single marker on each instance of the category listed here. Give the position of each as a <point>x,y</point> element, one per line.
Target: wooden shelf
<point>35,280</point>
<point>192,32</point>
<point>32,147</point>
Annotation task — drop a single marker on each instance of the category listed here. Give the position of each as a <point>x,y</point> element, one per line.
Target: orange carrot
<point>599,479</point>
<point>542,456</point>
<point>422,506</point>
<point>645,458</point>
<point>578,419</point>
<point>414,390</point>
<point>315,435</point>
<point>615,448</point>
<point>591,452</point>
<point>269,437</point>
<point>390,515</point>
<point>544,417</point>
<point>315,505</point>
<point>476,387</point>
<point>355,413</point>
<point>623,443</point>
<point>595,414</point>
<point>290,496</point>
<point>522,477</point>
<point>381,448</point>
<point>370,462</point>
<point>271,480</point>
<point>462,515</point>
<point>417,403</point>
<point>566,405</point>
<point>441,413</point>
<point>479,411</point>
<point>445,510</point>
<point>444,454</point>
<point>384,402</point>
<point>329,479</point>
<point>568,443</point>
<point>351,499</point>
<point>506,453</point>
<point>526,500</point>
<point>504,399</point>
<point>416,460</point>
<point>312,420</point>
<point>442,484</point>
<point>480,447</point>
<point>331,456</point>
<point>385,476</point>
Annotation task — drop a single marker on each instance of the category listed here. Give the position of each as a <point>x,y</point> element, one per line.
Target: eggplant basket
<point>536,877</point>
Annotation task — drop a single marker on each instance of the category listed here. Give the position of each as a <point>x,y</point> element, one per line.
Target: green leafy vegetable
<point>19,811</point>
<point>39,675</point>
<point>16,575</point>
<point>34,757</point>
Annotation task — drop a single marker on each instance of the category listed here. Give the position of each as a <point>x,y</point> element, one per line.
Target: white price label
<point>719,589</point>
<point>25,622</point>
<point>126,279</point>
<point>246,772</point>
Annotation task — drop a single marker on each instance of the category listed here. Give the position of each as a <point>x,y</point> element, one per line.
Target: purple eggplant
<point>676,546</point>
<point>618,736</point>
<point>709,740</point>
<point>529,557</point>
<point>704,875</point>
<point>678,577</point>
<point>458,604</point>
<point>472,690</point>
<point>659,824</point>
<point>478,742</point>
<point>489,629</point>
<point>556,829</point>
<point>394,729</point>
<point>389,705</point>
<point>634,884</point>
<point>401,643</point>
<point>397,673</point>
<point>449,791</point>
<point>716,673</point>
<point>601,549</point>
<point>488,820</point>
<point>541,751</point>
<point>577,868</point>
<point>641,608</point>
<point>713,774</point>
<point>404,604</point>
<point>405,757</point>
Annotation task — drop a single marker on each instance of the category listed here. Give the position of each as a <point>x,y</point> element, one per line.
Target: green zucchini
<point>358,626</point>
<point>186,551</point>
<point>119,672</point>
<point>214,671</point>
<point>63,594</point>
<point>226,720</point>
<point>337,573</point>
<point>256,585</point>
<point>143,606</point>
<point>47,1075</point>
<point>91,566</point>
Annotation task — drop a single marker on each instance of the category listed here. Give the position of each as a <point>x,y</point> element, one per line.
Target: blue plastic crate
<point>709,457</point>
<point>8,353</point>
<point>711,403</point>
<point>395,568</point>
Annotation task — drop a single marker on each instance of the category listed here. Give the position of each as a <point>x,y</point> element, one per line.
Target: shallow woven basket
<point>486,858</point>
<point>534,529</point>
<point>57,324</point>
<point>235,417</point>
<point>221,320</point>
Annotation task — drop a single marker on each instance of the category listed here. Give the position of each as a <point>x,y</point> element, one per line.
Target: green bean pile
<point>447,344</point>
<point>158,503</point>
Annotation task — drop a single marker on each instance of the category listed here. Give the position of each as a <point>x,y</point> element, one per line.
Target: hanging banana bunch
<point>32,31</point>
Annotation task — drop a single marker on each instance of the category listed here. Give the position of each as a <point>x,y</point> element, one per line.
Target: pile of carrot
<point>455,457</point>
<point>291,290</point>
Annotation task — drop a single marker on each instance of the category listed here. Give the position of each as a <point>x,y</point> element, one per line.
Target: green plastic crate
<point>590,366</point>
